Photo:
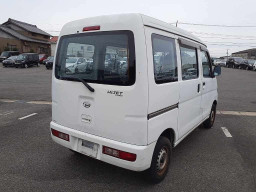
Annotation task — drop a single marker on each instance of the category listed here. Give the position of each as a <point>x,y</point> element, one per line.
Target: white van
<point>147,86</point>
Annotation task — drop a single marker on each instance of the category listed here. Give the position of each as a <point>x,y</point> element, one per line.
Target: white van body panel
<point>144,153</point>
<point>160,95</point>
<point>127,121</point>
<point>123,122</point>
<point>209,93</point>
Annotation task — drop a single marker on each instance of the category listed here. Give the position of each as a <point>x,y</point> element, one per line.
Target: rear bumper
<point>144,153</point>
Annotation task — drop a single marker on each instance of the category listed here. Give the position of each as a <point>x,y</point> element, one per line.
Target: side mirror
<point>217,70</point>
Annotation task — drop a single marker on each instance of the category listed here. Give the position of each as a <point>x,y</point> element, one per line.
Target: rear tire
<point>160,160</point>
<point>210,121</point>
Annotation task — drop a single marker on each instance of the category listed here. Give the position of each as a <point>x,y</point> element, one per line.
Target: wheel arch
<point>169,133</point>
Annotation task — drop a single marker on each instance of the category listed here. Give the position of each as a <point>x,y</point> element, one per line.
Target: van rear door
<point>117,108</point>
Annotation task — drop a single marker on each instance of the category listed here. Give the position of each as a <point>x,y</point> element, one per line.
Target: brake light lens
<point>60,135</point>
<point>118,154</point>
<point>91,28</point>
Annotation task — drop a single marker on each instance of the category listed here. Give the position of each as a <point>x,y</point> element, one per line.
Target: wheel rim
<point>212,117</point>
<point>162,161</point>
<point>26,66</point>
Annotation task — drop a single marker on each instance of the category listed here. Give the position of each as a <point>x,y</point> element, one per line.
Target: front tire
<point>160,160</point>
<point>210,121</point>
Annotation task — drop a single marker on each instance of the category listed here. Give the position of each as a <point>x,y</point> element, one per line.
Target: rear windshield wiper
<point>79,79</point>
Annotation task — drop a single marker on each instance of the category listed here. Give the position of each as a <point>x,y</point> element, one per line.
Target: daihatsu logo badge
<point>86,104</point>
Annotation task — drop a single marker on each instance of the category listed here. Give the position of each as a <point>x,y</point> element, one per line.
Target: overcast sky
<point>51,15</point>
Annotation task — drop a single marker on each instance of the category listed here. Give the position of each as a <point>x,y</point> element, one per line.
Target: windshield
<point>4,54</point>
<point>21,57</point>
<point>251,61</point>
<point>41,56</point>
<point>71,60</point>
<point>50,58</point>
<point>238,59</point>
<point>13,58</point>
<point>99,57</point>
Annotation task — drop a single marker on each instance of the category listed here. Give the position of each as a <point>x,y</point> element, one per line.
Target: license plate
<point>88,148</point>
<point>88,144</point>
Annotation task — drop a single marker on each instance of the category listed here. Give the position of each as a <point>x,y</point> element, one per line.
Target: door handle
<point>203,83</point>
<point>198,88</point>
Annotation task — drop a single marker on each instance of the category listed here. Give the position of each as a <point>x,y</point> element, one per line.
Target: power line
<point>225,35</point>
<point>233,43</point>
<point>209,25</point>
<point>209,37</point>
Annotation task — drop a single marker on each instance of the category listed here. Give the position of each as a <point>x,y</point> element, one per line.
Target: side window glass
<point>206,64</point>
<point>164,58</point>
<point>189,63</point>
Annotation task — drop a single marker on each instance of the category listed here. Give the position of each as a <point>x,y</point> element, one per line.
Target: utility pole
<point>227,53</point>
<point>177,23</point>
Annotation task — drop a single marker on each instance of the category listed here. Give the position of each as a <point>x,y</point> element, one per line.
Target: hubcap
<point>212,117</point>
<point>162,160</point>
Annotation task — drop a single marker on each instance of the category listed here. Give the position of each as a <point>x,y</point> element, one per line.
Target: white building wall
<point>53,49</point>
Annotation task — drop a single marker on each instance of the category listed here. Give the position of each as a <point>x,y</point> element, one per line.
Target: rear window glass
<point>99,57</point>
<point>5,54</point>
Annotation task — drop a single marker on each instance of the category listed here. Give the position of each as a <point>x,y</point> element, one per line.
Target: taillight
<point>91,28</point>
<point>119,154</point>
<point>60,135</point>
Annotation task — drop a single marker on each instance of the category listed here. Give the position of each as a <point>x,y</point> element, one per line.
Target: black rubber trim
<point>161,111</point>
<point>176,34</point>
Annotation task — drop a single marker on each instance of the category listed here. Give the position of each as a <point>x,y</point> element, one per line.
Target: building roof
<point>27,26</point>
<point>54,39</point>
<point>244,51</point>
<point>20,36</point>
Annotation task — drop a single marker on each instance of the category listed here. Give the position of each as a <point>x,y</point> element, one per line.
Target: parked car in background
<point>42,57</point>
<point>26,60</point>
<point>243,64</point>
<point>254,66</point>
<point>49,62</point>
<point>234,62</point>
<point>10,62</point>
<point>220,62</point>
<point>250,64</point>
<point>44,61</point>
<point>213,59</point>
<point>73,62</point>
<point>247,64</point>
<point>7,54</point>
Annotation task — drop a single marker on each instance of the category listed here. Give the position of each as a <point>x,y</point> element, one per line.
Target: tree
<point>6,49</point>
